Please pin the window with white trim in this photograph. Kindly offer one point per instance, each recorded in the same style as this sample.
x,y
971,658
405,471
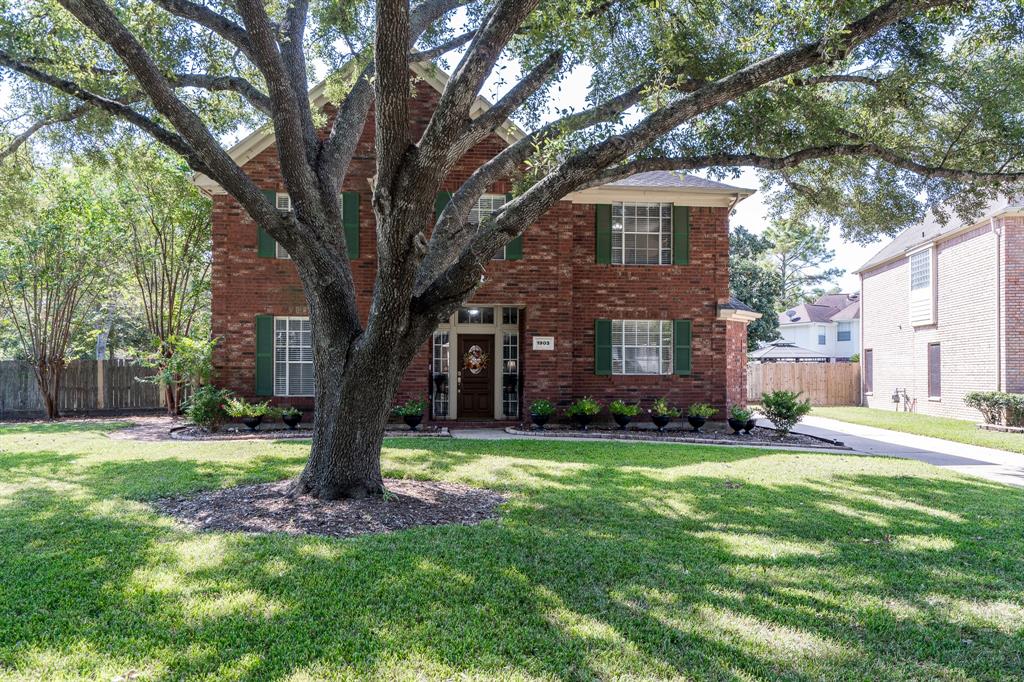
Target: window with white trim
x,y
822,338
921,270
641,233
641,346
283,203
844,331
485,207
293,357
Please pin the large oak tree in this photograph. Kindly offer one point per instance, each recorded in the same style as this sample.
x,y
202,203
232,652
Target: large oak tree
x,y
858,108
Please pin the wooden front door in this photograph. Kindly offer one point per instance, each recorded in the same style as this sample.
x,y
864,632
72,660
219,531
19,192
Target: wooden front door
x,y
476,376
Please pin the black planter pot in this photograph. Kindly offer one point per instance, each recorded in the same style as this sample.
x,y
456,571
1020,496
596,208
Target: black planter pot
x,y
622,420
737,425
751,423
291,420
583,420
661,420
412,420
696,423
252,422
539,420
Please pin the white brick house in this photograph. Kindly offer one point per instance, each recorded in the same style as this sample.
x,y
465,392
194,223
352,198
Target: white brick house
x,y
942,312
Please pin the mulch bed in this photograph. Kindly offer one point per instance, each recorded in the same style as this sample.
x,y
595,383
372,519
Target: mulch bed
x,y
279,431
711,433
269,508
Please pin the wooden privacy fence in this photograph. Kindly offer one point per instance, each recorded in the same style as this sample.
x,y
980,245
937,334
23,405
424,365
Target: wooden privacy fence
x,y
823,383
88,386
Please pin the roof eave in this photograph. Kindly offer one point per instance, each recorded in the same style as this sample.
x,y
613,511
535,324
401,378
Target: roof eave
x,y
691,196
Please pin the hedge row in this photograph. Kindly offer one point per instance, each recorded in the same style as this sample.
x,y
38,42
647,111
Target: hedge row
x,y
998,407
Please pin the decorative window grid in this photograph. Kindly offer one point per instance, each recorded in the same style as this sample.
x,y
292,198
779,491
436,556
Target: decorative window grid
x,y
641,233
510,316
440,376
921,270
510,374
293,357
641,347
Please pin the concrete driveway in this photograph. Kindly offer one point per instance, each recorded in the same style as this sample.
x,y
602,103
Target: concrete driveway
x,y
988,463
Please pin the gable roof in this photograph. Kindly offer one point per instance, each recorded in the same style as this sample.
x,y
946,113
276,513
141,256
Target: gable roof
x,y
931,229
828,308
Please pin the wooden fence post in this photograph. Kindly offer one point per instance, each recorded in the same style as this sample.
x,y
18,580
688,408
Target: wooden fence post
x,y
101,384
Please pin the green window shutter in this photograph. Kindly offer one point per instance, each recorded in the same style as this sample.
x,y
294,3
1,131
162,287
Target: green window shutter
x,y
682,357
266,247
440,202
350,218
264,355
602,347
680,235
603,233
514,249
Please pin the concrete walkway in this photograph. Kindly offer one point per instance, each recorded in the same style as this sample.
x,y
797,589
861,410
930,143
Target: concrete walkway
x,y
974,460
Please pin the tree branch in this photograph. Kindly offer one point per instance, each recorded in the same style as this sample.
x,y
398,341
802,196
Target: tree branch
x,y
231,83
206,17
21,138
435,52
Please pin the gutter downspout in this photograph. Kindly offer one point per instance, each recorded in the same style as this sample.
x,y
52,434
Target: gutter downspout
x,y
998,232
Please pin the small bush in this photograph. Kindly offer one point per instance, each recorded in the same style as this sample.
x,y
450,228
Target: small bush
x,y
411,408
542,408
997,407
623,408
584,406
784,409
661,408
855,357
740,413
205,407
239,408
290,411
703,410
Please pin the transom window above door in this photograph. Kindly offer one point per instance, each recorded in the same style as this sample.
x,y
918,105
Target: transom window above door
x,y
476,316
641,234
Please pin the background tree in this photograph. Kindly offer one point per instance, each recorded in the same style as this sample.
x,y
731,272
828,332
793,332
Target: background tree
x,y
886,99
167,250
801,255
56,247
755,281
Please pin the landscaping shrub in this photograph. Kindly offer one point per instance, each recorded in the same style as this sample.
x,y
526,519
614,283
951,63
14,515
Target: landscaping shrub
x,y
623,408
703,410
205,407
411,408
584,406
240,408
542,408
997,407
784,409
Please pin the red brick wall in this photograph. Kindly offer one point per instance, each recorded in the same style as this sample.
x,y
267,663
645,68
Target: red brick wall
x,y
562,289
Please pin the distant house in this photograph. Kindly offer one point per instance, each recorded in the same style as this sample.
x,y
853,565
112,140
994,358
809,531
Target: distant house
x,y
786,351
943,312
829,326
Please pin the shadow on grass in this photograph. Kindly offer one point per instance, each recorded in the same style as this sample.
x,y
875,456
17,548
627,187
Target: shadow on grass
x,y
60,427
594,571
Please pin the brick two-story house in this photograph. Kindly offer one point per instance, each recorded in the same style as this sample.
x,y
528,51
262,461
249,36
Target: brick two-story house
x,y
619,291
942,312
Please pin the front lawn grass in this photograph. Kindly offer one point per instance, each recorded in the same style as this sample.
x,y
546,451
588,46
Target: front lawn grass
x,y
956,430
610,561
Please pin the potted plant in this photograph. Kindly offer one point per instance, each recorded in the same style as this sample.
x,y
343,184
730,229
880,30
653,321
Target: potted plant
x,y
662,413
623,412
698,415
291,416
540,412
251,414
583,411
411,412
738,418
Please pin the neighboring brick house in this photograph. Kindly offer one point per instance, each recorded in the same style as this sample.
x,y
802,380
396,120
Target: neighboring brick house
x,y
830,326
942,312
619,291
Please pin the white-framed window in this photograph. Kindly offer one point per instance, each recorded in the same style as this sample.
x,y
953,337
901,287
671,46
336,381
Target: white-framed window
x,y
485,207
844,331
641,346
440,378
822,335
283,202
293,357
921,270
641,233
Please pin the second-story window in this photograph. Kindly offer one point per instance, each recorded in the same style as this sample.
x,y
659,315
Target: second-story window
x,y
486,205
821,336
843,331
921,270
641,234
283,203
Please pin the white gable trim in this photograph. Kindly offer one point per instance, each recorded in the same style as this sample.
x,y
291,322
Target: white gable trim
x,y
260,139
